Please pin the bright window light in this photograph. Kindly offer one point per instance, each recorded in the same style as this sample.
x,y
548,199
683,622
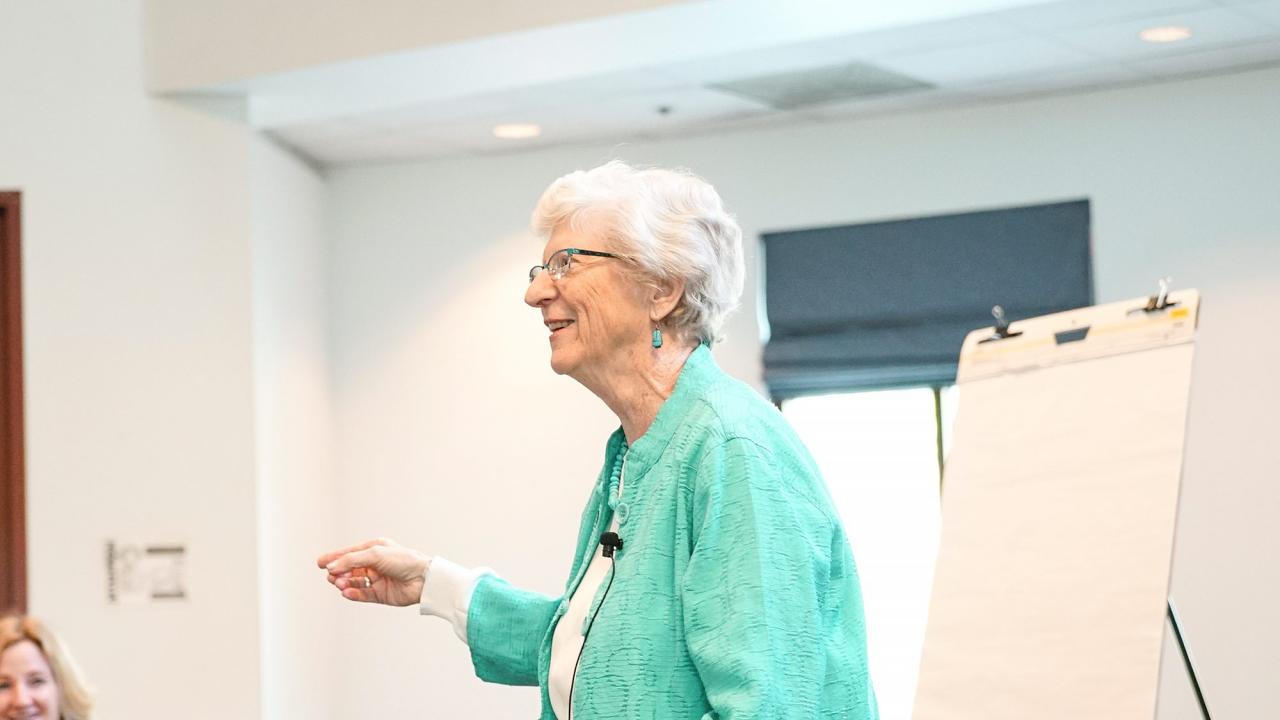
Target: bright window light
x,y
878,454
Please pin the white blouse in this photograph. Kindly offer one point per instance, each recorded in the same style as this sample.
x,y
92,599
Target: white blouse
x,y
447,594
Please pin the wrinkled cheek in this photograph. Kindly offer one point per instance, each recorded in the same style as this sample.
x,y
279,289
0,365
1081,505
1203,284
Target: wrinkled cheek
x,y
589,333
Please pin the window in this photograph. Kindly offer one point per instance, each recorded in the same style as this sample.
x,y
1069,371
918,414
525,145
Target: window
x,y
882,308
887,304
878,452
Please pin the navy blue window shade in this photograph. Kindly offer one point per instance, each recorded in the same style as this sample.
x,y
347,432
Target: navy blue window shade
x,y
888,304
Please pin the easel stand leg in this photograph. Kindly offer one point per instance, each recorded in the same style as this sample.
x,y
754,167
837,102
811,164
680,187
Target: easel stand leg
x,y
1186,659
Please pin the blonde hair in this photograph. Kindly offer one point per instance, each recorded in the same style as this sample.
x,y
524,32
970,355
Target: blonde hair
x,y
671,223
74,700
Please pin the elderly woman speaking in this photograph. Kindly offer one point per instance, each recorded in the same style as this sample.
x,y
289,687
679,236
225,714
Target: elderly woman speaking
x,y
712,577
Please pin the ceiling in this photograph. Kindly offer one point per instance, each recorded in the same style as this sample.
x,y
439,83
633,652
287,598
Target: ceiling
x,y
699,67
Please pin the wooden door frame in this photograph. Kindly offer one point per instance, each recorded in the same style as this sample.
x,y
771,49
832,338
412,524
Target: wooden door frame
x,y
13,544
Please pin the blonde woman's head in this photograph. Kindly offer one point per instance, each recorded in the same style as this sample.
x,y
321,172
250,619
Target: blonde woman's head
x,y
38,679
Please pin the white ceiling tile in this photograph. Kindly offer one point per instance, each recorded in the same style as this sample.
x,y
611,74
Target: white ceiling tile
x,y
1268,11
592,88
1212,59
465,134
1213,27
437,112
886,104
1045,48
1080,79
843,49
763,120
513,105
639,113
956,32
1068,14
976,63
769,61
621,117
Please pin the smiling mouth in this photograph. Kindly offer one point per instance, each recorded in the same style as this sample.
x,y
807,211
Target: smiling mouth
x,y
558,325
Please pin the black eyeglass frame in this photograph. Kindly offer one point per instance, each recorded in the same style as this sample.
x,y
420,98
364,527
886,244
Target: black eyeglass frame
x,y
537,270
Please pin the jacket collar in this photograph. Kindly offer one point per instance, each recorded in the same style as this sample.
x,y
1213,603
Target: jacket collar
x,y
699,373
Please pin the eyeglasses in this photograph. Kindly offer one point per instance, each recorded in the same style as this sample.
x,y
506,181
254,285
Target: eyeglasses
x,y
560,261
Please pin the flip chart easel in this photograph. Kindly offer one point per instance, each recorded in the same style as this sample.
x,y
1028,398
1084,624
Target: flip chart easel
x,y
1059,505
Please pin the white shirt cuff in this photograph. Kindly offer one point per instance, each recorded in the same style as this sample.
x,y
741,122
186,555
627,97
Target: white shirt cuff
x,y
446,593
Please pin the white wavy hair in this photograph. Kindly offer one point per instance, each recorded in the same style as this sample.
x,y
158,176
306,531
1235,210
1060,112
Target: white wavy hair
x,y
670,223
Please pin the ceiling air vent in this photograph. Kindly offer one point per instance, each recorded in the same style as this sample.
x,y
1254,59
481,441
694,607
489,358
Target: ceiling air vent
x,y
816,86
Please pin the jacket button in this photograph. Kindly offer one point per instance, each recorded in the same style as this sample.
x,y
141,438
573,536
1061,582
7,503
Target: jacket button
x,y
622,512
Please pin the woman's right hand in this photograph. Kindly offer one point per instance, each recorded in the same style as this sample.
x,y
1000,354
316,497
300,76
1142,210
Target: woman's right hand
x,y
379,570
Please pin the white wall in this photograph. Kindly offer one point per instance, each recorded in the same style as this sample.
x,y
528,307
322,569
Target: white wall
x,y
175,306
455,437
296,509
138,365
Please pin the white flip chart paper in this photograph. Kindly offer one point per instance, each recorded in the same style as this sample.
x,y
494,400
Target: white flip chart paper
x,y
1059,503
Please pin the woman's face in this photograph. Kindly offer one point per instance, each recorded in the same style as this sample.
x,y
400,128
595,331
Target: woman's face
x,y
27,687
596,314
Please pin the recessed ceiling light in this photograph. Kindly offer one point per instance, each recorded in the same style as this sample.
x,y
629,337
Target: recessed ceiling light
x,y
1165,34
516,131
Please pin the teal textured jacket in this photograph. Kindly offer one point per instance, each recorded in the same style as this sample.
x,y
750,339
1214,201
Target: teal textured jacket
x,y
734,595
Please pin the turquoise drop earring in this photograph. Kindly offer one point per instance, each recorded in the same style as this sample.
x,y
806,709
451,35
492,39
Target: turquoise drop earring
x,y
657,338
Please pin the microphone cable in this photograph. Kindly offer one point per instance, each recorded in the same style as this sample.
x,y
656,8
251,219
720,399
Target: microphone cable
x,y
611,542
